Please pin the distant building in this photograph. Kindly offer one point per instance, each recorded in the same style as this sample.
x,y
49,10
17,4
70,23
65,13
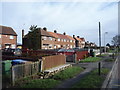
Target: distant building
x,y
8,37
52,40
79,42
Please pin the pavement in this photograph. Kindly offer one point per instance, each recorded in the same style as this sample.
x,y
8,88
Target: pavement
x,y
115,76
89,67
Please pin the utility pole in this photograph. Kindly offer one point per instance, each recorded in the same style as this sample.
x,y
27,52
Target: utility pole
x,y
100,37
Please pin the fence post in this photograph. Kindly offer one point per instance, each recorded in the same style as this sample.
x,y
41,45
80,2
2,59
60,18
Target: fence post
x,y
41,65
99,68
13,76
75,58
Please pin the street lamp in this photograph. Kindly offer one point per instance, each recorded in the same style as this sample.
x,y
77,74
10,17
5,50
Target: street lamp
x,y
104,42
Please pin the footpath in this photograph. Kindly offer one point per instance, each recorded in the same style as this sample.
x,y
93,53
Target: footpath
x,y
89,67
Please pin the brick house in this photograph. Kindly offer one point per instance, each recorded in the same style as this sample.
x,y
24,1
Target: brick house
x,y
52,40
79,42
46,40
63,40
8,37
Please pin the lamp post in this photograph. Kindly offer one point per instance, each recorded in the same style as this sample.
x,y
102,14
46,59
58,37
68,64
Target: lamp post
x,y
104,42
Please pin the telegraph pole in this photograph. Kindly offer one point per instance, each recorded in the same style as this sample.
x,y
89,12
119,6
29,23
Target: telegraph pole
x,y
100,37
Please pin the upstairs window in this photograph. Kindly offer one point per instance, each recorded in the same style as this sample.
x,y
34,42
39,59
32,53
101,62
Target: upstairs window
x,y
11,37
0,36
64,40
58,39
70,40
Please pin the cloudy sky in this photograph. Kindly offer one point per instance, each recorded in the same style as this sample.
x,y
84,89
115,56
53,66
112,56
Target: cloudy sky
x,y
74,18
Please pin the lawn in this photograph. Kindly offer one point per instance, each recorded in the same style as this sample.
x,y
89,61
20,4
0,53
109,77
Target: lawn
x,y
68,73
91,59
30,82
92,80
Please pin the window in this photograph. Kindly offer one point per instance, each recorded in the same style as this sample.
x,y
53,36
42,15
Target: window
x,y
70,40
0,36
11,37
58,39
58,46
44,38
13,46
0,46
50,46
50,38
64,40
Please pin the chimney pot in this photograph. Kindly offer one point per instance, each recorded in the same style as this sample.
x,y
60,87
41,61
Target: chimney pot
x,y
45,28
64,33
78,36
73,36
55,31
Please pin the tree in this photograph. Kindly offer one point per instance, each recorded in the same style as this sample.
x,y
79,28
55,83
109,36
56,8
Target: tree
x,y
116,40
34,37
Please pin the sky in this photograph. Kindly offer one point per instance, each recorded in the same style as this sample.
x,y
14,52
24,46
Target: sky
x,y
74,18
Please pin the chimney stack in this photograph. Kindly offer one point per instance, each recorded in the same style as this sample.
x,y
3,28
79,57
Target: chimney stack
x,y
78,36
73,36
64,33
55,31
22,33
45,28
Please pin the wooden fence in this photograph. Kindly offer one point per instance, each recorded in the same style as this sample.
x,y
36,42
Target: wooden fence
x,y
38,52
23,70
53,61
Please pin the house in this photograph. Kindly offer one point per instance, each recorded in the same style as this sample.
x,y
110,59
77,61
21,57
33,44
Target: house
x,y
8,37
62,40
46,40
79,42
51,40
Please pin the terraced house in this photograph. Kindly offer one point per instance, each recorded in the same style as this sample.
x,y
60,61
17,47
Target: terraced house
x,y
8,37
52,40
79,42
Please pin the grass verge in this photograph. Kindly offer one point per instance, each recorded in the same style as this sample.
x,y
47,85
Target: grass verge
x,y
92,80
34,82
67,73
91,59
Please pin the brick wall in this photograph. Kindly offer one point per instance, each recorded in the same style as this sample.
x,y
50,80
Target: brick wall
x,y
5,39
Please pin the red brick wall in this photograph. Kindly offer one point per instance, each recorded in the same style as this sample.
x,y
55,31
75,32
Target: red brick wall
x,y
6,39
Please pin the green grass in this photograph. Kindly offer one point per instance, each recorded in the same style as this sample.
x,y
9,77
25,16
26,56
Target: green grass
x,y
68,73
91,59
109,60
92,80
34,82
39,83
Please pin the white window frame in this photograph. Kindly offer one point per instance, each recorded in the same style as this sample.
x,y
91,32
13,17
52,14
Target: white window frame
x,y
11,37
58,39
64,40
13,46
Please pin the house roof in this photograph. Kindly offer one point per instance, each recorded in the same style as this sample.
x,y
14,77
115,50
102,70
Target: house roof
x,y
79,39
70,37
54,34
61,36
82,39
45,33
7,31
